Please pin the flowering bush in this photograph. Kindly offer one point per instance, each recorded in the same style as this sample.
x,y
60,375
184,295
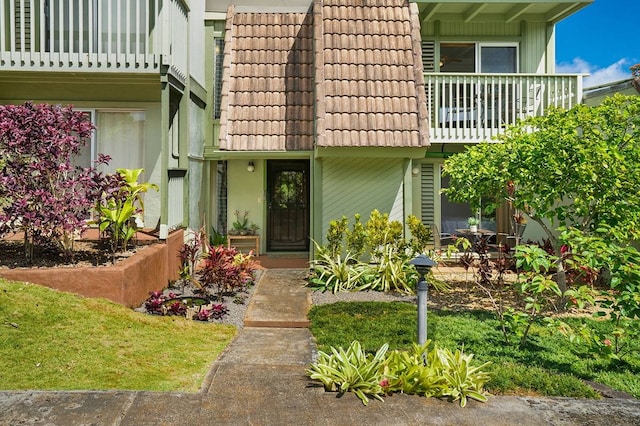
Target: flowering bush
x,y
42,193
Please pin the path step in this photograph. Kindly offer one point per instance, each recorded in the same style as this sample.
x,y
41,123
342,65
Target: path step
x,y
280,300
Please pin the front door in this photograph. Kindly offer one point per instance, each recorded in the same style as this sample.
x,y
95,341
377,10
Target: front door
x,y
288,205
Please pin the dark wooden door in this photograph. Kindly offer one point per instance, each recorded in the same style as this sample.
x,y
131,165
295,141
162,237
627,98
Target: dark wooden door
x,y
288,205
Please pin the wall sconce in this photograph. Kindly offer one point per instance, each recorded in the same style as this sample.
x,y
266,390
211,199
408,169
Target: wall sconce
x,y
415,170
251,167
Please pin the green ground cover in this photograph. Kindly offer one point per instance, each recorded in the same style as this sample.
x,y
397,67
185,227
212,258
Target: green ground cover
x,y
55,340
549,364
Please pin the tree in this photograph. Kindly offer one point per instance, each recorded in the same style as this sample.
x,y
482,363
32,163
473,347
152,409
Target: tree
x,y
42,194
577,167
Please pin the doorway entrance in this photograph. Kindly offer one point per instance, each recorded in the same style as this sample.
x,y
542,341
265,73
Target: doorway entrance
x,y
288,205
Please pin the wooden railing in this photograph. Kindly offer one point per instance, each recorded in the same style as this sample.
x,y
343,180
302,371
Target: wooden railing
x,y
136,36
477,107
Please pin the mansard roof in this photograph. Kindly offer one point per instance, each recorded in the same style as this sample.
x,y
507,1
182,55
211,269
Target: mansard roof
x,y
348,74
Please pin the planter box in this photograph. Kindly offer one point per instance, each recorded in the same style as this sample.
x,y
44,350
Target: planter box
x,y
128,282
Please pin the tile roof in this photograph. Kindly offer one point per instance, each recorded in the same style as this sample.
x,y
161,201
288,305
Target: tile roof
x,y
359,66
369,73
267,88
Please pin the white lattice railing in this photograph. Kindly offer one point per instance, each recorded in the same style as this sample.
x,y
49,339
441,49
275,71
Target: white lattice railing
x,y
93,35
477,107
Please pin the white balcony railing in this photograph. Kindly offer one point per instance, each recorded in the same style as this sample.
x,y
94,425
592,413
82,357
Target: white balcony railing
x,y
93,35
477,107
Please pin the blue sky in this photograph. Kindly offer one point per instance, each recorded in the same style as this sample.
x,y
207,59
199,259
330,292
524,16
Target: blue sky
x,y
601,40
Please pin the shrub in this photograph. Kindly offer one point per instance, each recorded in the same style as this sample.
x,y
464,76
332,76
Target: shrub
x,y
226,270
119,204
42,193
426,370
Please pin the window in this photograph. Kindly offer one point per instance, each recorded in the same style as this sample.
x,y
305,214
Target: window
x,y
498,59
119,134
218,57
221,191
479,57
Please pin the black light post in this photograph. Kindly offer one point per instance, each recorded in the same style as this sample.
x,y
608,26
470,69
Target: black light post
x,y
423,265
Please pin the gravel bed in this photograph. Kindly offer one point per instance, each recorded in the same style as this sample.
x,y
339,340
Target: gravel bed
x,y
236,311
326,297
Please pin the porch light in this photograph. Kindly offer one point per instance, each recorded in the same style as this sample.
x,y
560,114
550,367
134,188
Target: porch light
x,y
250,167
423,265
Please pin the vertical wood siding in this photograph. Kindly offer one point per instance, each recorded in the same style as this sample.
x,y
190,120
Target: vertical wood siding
x,y
427,193
360,185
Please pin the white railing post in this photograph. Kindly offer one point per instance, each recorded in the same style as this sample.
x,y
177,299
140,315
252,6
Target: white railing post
x,y
100,35
476,107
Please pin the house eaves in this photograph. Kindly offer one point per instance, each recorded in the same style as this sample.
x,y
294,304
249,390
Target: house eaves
x,y
498,11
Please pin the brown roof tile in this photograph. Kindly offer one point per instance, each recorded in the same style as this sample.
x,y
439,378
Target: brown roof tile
x,y
267,101
372,80
359,67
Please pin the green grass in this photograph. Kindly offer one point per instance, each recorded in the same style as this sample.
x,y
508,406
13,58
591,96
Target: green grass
x,y
550,365
55,340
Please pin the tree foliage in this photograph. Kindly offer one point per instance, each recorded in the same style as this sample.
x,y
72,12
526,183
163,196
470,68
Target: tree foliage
x,y
577,167
41,193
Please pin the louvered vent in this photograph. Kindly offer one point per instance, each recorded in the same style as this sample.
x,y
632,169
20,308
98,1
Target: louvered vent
x,y
427,193
428,56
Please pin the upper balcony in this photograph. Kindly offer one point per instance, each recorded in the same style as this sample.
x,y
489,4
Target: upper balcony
x,y
124,36
477,107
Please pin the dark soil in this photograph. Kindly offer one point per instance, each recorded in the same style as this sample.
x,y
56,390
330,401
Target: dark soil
x,y
86,253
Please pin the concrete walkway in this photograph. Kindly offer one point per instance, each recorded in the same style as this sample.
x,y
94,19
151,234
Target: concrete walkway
x,y
260,380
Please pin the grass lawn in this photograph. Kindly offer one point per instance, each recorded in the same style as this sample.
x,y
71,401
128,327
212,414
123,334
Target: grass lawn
x,y
55,340
550,365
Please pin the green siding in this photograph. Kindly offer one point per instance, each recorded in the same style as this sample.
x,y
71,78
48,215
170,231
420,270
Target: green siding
x,y
427,193
472,30
357,185
533,49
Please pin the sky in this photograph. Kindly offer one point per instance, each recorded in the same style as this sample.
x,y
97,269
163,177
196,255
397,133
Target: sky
x,y
601,40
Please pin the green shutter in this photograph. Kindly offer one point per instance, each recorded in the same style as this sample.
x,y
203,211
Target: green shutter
x,y
427,193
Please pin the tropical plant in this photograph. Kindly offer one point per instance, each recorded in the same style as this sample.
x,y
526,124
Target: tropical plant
x,y
381,232
224,270
335,273
420,235
335,235
567,157
620,303
190,255
563,155
120,202
392,272
356,238
41,193
350,370
216,238
426,370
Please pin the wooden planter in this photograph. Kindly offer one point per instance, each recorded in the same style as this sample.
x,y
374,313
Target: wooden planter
x,y
128,282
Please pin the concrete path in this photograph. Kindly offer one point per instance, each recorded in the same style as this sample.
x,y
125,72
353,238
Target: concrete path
x,y
260,380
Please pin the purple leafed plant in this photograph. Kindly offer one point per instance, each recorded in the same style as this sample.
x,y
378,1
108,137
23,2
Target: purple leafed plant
x,y
41,193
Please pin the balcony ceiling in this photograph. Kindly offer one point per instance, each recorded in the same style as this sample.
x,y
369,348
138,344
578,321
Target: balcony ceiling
x,y
498,10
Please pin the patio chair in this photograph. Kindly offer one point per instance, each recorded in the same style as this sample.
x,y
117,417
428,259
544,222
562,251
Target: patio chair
x,y
531,105
440,238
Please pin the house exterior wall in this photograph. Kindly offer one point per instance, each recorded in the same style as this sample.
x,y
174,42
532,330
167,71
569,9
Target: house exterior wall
x,y
360,185
246,191
534,38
